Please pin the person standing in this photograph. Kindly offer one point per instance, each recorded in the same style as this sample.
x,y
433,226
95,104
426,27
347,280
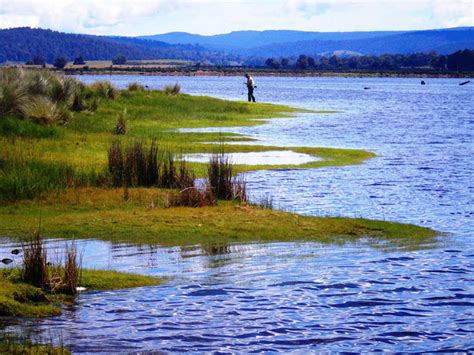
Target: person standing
x,y
250,86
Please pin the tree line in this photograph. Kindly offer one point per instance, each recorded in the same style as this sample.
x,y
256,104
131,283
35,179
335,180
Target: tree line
x,y
23,44
462,60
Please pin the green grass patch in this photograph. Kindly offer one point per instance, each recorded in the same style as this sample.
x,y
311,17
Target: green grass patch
x,y
21,299
14,127
142,219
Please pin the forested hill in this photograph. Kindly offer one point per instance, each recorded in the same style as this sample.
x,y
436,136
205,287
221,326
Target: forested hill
x,y
292,43
21,44
442,41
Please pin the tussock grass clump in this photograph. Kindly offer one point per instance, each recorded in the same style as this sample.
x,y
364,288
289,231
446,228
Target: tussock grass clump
x,y
104,89
141,165
221,180
115,163
172,90
43,110
71,272
37,271
121,125
135,86
47,97
35,268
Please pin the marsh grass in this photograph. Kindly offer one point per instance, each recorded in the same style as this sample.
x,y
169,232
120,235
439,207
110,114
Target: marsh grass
x,y
72,270
221,179
139,164
191,197
35,268
47,97
13,127
37,271
172,90
29,344
135,86
23,177
121,125
104,89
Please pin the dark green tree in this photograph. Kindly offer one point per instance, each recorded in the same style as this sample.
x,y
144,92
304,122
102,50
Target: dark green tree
x,y
119,59
79,60
302,62
60,62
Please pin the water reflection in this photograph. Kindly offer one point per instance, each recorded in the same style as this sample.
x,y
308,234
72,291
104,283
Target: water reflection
x,y
306,296
280,296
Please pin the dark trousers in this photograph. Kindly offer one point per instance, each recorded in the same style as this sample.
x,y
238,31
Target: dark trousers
x,y
250,94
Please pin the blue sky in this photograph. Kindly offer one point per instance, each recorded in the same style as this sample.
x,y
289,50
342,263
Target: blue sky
x,y
115,17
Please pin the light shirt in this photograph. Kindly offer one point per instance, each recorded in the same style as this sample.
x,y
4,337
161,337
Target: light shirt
x,y
250,82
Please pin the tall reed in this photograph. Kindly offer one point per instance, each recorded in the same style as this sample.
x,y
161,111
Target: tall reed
x,y
35,269
142,165
224,185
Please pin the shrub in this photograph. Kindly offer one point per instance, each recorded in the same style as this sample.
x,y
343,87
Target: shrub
x,y
119,59
60,62
172,90
79,61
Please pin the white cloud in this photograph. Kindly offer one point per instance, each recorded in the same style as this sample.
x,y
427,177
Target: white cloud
x,y
136,17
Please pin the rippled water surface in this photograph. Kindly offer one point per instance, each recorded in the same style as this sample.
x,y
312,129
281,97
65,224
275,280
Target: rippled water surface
x,y
306,296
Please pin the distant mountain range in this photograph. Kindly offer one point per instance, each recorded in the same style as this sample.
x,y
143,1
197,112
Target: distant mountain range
x,y
22,44
293,43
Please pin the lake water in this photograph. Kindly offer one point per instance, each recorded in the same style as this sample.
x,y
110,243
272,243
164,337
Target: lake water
x,y
307,296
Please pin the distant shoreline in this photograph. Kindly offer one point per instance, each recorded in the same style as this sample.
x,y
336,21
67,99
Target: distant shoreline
x,y
170,70
262,72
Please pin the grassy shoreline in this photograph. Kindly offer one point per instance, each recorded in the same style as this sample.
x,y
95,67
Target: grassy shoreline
x,y
104,214
86,206
19,299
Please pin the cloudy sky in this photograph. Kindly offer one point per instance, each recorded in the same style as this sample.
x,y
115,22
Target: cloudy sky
x,y
134,17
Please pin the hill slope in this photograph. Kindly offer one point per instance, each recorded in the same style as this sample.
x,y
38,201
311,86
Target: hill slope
x,y
441,41
293,43
240,40
21,44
